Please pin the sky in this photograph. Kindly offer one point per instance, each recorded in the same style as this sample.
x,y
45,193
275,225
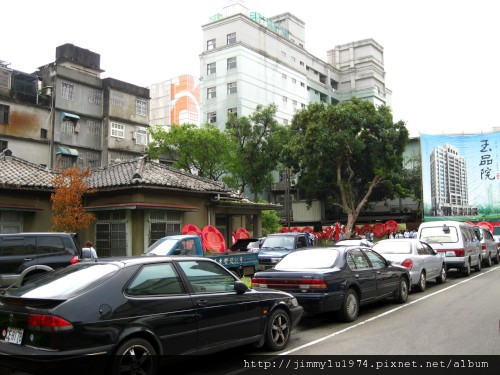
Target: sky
x,y
441,56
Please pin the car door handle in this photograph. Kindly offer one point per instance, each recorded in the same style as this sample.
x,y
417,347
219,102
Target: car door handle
x,y
202,302
356,275
27,259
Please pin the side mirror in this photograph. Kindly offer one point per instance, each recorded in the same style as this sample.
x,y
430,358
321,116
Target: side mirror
x,y
240,287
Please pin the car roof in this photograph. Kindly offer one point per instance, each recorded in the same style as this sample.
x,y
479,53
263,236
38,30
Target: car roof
x,y
26,234
125,261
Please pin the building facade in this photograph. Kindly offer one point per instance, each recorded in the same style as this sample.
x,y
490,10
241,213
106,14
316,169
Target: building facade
x,y
64,114
249,59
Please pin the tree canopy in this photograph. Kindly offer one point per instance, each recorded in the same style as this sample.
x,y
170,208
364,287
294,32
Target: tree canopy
x,y
205,150
345,152
259,140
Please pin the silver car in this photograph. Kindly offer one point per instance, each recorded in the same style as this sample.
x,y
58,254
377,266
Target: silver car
x,y
489,248
423,262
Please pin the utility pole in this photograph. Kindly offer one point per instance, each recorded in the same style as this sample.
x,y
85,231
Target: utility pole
x,y
287,197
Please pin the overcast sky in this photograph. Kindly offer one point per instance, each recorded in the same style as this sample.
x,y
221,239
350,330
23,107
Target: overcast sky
x,y
441,56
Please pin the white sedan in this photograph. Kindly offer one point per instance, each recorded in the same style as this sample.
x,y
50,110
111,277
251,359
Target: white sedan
x,y
423,262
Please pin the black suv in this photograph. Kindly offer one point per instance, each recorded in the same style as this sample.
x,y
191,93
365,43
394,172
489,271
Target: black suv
x,y
23,255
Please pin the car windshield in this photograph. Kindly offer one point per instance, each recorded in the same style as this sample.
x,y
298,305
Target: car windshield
x,y
442,234
286,242
161,247
392,247
65,282
308,259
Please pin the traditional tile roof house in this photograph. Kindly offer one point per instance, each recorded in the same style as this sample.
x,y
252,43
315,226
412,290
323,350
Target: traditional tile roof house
x,y
136,202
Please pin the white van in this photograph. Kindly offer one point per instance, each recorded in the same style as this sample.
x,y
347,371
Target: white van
x,y
457,240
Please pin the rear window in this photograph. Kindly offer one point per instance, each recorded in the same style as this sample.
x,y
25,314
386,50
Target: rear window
x,y
66,282
286,242
308,259
441,234
391,247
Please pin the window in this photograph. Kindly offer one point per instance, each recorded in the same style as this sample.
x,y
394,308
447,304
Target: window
x,y
211,93
302,105
294,80
302,84
4,114
302,63
283,53
285,99
231,63
232,88
285,121
117,99
283,75
10,221
211,68
94,128
155,279
141,136
141,107
67,91
111,234
232,111
95,97
210,44
4,79
207,277
117,130
294,102
358,259
231,38
163,223
43,133
68,126
66,161
293,59
51,245
212,117
375,259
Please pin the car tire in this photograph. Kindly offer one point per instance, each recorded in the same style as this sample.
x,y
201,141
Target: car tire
x,y
402,292
487,263
278,330
422,284
137,354
466,269
350,308
496,260
441,279
477,267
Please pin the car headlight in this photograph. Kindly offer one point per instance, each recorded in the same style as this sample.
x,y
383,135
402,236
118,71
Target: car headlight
x,y
294,302
275,260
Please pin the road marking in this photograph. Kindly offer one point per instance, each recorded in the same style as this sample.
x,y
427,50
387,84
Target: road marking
x,y
385,313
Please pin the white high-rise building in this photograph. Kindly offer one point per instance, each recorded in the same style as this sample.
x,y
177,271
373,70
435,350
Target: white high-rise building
x,y
249,59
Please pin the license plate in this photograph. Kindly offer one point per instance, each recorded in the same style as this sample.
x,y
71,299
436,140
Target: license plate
x,y
14,335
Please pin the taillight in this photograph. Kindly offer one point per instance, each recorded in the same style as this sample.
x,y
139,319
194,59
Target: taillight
x,y
50,323
318,284
74,259
460,252
408,263
483,246
303,284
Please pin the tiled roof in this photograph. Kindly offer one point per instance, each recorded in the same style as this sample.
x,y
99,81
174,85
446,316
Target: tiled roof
x,y
21,174
143,172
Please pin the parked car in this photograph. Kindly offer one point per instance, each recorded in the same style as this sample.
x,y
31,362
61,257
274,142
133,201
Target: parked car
x,y
276,246
251,245
457,240
423,262
141,309
23,255
361,242
489,248
337,279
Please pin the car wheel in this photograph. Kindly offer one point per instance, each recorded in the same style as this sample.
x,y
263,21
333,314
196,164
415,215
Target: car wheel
x,y
402,292
496,260
441,279
278,330
421,282
488,261
134,356
478,265
350,308
466,269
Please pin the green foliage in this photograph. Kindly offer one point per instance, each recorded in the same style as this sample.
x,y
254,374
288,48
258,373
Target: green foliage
x,y
258,141
206,150
344,152
270,222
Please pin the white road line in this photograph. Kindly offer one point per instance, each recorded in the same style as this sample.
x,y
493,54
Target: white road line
x,y
384,314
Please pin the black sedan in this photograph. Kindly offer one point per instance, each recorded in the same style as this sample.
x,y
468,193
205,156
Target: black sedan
x,y
140,309
337,279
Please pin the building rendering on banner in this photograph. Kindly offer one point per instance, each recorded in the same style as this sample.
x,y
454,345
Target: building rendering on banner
x,y
176,101
449,186
249,59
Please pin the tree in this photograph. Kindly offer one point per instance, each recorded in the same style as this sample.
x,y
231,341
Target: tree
x,y
259,139
206,150
68,213
346,152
